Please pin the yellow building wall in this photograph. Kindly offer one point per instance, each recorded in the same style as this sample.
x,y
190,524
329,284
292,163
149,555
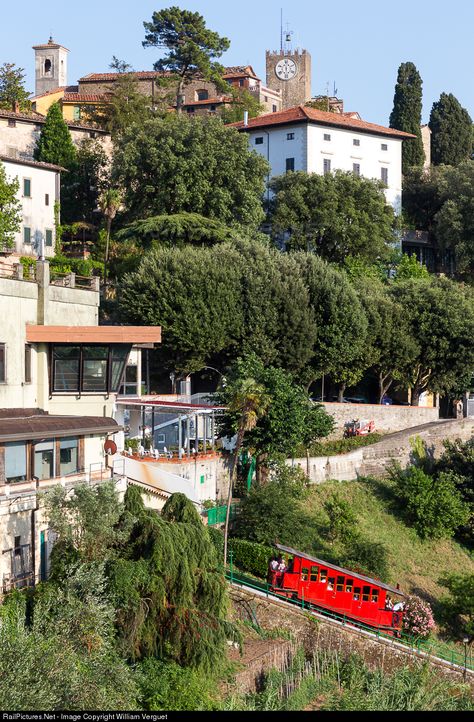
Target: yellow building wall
x,y
43,104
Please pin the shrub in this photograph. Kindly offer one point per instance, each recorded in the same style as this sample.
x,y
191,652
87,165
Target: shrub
x,y
418,617
433,505
461,602
342,520
368,558
251,557
166,685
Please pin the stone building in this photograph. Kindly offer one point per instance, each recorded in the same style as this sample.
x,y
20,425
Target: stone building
x,y
289,72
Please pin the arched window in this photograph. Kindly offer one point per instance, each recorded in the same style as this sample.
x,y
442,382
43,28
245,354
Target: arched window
x,y
47,66
202,95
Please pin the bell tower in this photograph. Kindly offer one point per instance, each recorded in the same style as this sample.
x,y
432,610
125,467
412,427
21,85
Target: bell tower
x,y
289,71
50,66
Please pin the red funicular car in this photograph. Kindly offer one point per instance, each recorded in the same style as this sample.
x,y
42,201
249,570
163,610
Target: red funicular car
x,y
338,590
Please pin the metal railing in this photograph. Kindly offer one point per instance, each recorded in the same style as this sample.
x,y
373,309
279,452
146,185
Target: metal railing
x,y
426,647
218,514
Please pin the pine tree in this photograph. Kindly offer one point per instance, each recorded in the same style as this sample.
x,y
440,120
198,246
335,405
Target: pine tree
x,y
55,143
451,128
12,88
406,113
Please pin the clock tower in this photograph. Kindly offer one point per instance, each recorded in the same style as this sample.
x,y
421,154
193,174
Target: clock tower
x,y
290,72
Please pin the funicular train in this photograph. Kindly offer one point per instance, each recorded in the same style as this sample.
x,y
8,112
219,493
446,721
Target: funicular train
x,y
339,591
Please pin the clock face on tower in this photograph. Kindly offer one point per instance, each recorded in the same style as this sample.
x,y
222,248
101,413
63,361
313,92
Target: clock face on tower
x,y
286,69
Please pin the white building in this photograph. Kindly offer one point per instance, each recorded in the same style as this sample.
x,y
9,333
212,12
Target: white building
x,y
313,141
59,378
39,190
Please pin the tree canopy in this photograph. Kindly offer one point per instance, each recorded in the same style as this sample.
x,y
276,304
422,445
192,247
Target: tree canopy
x,y
12,88
176,231
334,215
10,209
406,113
451,131
190,165
191,47
55,143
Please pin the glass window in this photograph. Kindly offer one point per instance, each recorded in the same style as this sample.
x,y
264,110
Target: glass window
x,y
27,187
290,136
356,593
349,585
290,164
384,146
68,456
356,169
11,123
324,575
15,462
375,595
119,359
46,199
26,235
384,176
365,594
49,238
259,141
66,368
327,166
356,141
3,366
304,574
275,109
313,577
77,112
202,94
327,136
94,368
44,460
331,582
340,584
27,364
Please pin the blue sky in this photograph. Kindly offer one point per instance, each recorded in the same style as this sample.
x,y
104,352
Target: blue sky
x,y
358,45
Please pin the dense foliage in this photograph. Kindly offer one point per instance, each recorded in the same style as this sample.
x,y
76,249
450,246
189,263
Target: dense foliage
x,y
10,209
12,88
406,113
451,131
178,164
55,144
418,618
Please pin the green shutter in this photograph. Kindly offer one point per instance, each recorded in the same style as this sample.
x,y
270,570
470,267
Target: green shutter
x,y
49,238
26,235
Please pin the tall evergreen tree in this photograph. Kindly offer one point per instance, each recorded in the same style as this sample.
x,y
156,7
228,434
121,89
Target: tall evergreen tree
x,y
55,143
406,113
451,128
12,87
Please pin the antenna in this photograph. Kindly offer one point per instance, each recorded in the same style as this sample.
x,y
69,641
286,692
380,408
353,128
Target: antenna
x,y
281,32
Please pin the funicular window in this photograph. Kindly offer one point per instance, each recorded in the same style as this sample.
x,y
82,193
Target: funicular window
x,y
349,585
324,576
340,584
375,595
304,574
365,594
356,593
313,577
331,582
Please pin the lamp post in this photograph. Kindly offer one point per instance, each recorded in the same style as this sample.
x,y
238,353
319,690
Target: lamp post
x,y
466,641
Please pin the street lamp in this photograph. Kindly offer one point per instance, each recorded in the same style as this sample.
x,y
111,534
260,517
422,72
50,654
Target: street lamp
x,y
466,641
211,368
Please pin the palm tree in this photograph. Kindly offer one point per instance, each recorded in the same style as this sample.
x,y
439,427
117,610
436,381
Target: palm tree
x,y
250,402
109,203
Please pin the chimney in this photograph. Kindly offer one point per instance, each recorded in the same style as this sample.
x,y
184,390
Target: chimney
x,y
16,106
246,118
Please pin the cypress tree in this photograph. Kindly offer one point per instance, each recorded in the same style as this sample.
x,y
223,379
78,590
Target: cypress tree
x,y
55,143
451,128
406,113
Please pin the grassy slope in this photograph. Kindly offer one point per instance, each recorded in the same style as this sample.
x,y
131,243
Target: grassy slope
x,y
416,565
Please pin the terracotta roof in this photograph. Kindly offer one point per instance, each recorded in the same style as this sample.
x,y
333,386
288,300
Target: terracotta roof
x,y
32,163
210,101
85,97
32,428
59,89
139,75
302,114
38,118
93,334
48,45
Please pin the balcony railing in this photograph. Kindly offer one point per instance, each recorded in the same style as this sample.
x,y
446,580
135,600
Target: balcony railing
x,y
71,280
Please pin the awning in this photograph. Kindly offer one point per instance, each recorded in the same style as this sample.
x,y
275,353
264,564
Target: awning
x,y
94,334
33,428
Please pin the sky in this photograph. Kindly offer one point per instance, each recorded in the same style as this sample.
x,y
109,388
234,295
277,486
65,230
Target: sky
x,y
358,46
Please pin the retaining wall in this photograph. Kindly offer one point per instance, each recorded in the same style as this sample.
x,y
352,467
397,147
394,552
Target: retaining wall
x,y
388,419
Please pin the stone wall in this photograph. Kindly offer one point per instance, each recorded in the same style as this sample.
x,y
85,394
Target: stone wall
x,y
374,460
318,634
388,419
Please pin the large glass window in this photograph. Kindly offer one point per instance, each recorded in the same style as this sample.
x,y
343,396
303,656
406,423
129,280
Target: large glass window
x,y
68,457
15,462
89,369
44,460
66,368
94,368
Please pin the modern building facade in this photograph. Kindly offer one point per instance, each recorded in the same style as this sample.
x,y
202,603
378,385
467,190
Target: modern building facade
x,y
60,374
